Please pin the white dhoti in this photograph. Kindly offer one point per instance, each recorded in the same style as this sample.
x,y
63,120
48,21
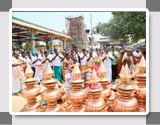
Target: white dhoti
x,y
17,76
109,72
68,76
23,85
16,85
108,65
38,73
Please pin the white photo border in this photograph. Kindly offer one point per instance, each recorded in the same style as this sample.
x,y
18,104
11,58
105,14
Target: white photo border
x,y
78,10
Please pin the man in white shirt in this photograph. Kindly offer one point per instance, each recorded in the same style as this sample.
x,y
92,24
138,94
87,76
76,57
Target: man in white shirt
x,y
56,61
73,56
17,74
63,55
107,59
38,66
23,58
94,54
50,58
137,53
29,61
83,58
76,55
87,52
41,54
45,61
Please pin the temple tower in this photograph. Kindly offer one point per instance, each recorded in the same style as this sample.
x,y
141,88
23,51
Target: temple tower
x,y
76,29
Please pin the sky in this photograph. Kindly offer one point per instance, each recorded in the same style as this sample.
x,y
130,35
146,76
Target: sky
x,y
56,20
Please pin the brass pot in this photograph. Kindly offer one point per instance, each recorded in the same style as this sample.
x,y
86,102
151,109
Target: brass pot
x,y
31,92
87,89
76,95
125,102
141,107
141,92
53,107
77,107
32,106
101,74
51,95
106,91
95,103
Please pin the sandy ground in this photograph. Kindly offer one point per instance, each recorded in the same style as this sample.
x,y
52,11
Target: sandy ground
x,y
18,102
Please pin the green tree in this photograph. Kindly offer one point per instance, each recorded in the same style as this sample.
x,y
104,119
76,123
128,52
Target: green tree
x,y
92,42
27,46
15,46
38,44
124,25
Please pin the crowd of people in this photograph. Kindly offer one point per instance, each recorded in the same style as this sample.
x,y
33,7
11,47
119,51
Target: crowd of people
x,y
63,62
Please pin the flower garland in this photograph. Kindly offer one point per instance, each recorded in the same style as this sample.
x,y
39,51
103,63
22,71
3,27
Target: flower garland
x,y
76,78
95,86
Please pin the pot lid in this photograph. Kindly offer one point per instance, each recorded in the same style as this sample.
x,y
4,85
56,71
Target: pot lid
x,y
76,69
125,72
77,81
95,90
94,77
30,80
142,62
49,69
126,86
102,68
53,80
105,79
28,71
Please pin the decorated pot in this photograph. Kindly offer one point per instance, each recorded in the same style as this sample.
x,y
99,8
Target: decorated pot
x,y
124,102
76,95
